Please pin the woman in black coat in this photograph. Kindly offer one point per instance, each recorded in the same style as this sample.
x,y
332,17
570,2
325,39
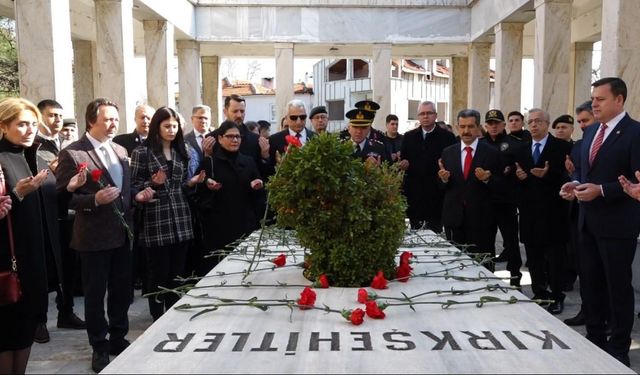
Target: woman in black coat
x,y
228,197
19,120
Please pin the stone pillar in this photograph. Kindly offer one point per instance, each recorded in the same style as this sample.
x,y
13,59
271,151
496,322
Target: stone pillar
x,y
158,51
188,77
508,50
580,69
284,78
551,56
381,82
621,48
211,86
479,89
83,74
458,87
43,32
114,53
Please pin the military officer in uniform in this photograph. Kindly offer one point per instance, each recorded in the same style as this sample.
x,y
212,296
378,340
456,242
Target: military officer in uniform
x,y
365,148
504,200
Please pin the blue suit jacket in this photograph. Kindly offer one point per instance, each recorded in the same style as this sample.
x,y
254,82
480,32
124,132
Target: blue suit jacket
x,y
616,215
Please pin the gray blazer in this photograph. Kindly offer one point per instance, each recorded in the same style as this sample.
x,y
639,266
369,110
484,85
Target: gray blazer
x,y
95,228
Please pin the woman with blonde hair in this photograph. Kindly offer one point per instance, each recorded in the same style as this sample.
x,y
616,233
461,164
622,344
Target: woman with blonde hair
x,y
25,181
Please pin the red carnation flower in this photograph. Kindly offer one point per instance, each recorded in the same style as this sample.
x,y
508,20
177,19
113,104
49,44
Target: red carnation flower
x,y
403,272
405,256
379,282
324,282
374,311
357,316
363,296
96,174
307,298
294,141
82,167
279,261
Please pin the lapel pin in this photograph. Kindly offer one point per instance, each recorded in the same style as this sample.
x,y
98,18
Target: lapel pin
x,y
618,132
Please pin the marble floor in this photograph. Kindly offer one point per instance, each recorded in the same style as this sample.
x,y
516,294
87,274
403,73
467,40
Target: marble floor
x,y
69,352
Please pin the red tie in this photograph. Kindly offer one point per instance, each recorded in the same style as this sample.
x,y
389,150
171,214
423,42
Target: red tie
x,y
467,161
597,143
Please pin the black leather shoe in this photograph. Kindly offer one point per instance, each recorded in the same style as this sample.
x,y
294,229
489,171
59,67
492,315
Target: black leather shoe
x,y
500,258
71,321
556,307
99,360
41,335
117,347
577,320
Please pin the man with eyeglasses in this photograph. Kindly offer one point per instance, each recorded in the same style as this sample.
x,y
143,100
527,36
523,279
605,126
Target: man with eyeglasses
x,y
421,150
543,214
295,119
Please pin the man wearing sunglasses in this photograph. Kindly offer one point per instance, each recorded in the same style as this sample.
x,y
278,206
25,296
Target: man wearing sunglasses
x,y
295,119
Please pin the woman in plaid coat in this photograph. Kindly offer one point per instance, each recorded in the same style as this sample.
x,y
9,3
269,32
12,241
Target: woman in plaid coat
x,y
159,175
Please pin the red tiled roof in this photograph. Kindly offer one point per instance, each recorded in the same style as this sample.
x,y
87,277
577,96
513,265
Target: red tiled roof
x,y
245,88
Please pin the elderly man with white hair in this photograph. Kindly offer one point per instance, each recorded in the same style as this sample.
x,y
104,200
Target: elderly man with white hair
x,y
295,119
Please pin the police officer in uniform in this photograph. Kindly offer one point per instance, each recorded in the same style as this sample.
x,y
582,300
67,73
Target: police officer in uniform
x,y
504,200
363,147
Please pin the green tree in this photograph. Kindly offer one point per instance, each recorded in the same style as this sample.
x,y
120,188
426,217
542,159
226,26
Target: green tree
x,y
9,83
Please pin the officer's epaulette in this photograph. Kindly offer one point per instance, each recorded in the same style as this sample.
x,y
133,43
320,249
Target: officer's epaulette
x,y
376,141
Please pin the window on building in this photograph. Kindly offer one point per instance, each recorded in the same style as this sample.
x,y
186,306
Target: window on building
x,y
396,72
412,109
336,110
272,110
338,70
360,69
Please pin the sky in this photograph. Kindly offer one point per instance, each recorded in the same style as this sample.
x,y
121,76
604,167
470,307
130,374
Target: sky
x,y
267,68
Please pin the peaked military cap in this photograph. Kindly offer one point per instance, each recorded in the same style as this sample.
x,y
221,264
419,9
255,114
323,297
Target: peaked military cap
x,y
360,117
494,115
368,105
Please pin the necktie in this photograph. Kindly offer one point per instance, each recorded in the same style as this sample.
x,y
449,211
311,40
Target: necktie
x,y
536,153
597,143
199,140
468,158
115,171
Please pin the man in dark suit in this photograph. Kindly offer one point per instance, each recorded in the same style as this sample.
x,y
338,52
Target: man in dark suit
x,y
505,210
134,139
469,171
295,118
200,120
61,260
543,214
99,235
609,221
421,149
364,148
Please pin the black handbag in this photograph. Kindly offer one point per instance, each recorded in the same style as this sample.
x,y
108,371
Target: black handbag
x,y
10,290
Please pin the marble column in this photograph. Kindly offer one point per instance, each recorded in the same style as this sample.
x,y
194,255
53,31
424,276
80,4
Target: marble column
x,y
580,74
211,86
83,78
621,48
188,77
158,51
458,86
43,33
551,56
508,51
284,77
381,82
479,89
114,53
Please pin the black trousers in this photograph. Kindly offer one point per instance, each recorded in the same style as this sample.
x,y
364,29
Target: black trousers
x,y
472,234
106,271
545,267
506,219
164,264
607,292
70,271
